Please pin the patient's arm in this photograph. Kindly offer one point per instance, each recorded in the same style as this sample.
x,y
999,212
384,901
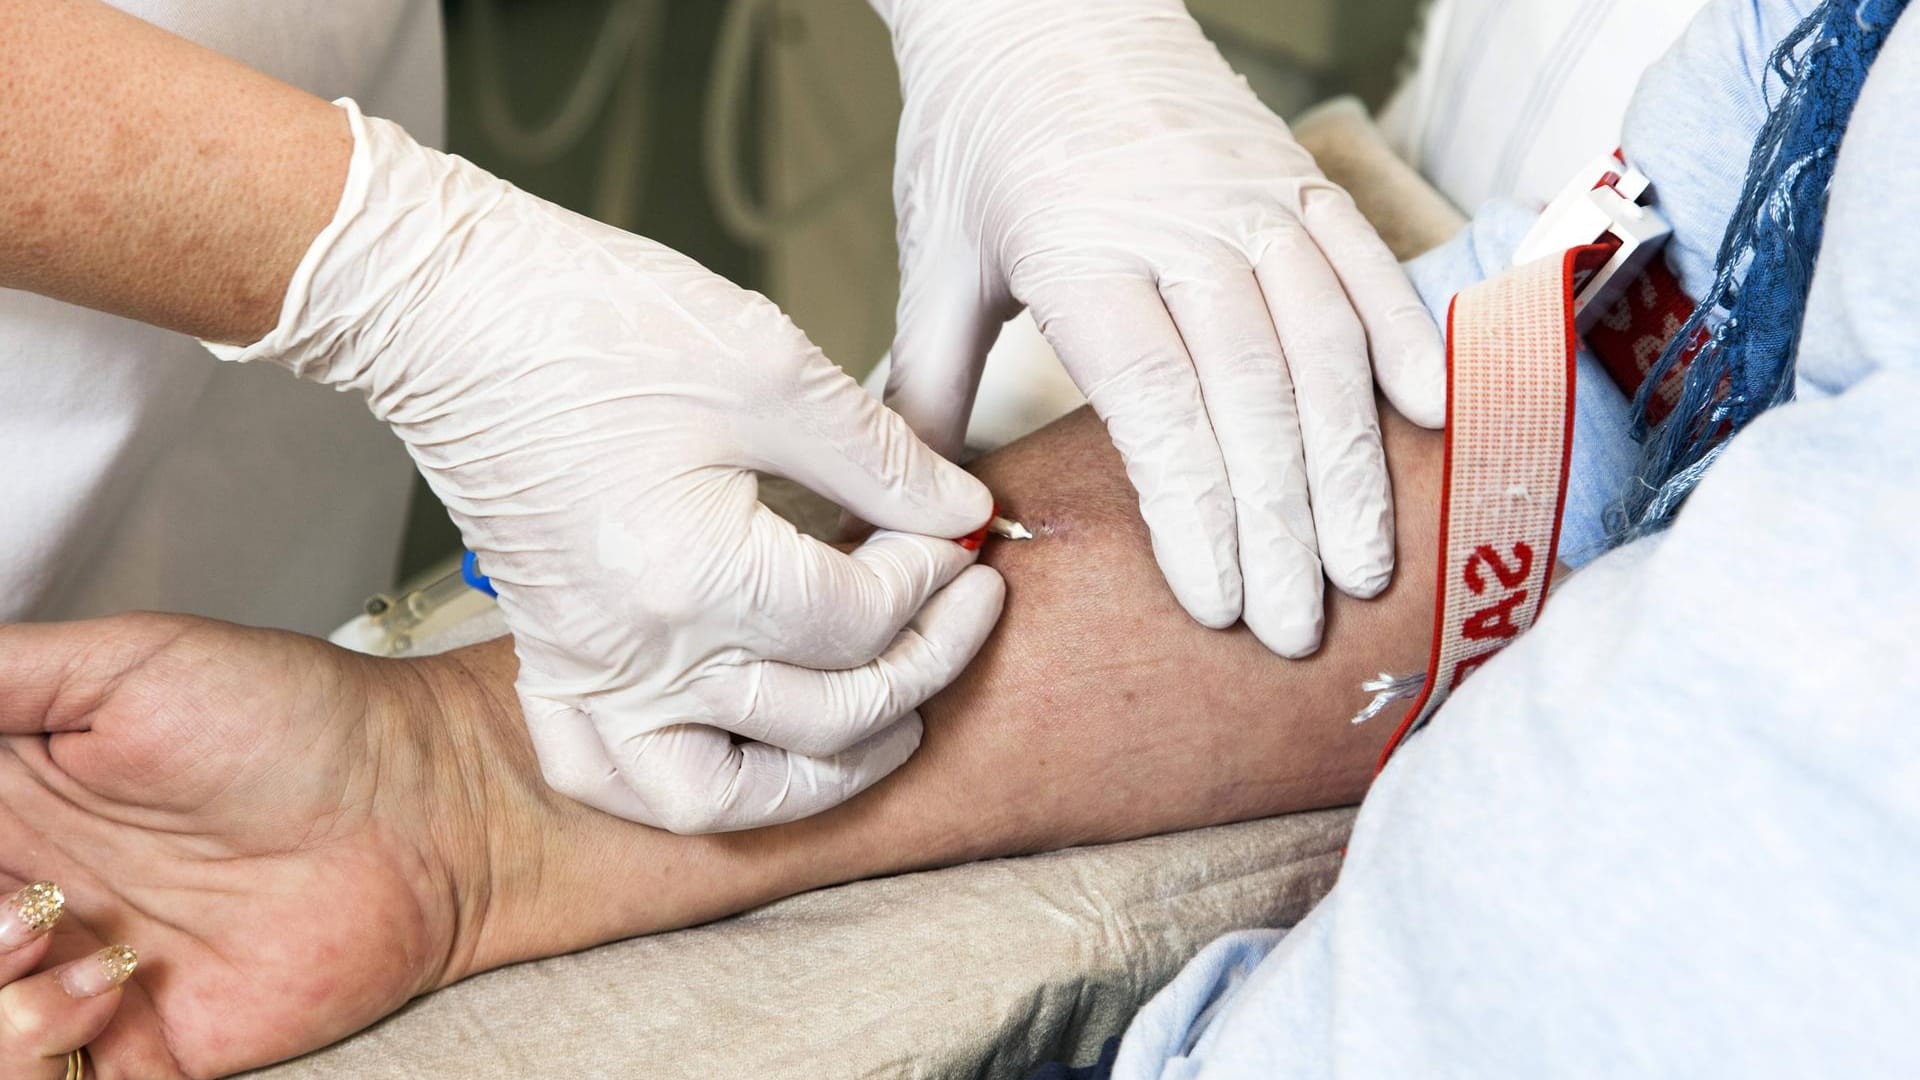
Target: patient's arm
x,y
1099,710
299,840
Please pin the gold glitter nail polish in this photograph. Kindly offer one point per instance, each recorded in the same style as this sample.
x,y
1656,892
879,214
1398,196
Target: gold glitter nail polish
x,y
100,972
30,913
119,962
40,905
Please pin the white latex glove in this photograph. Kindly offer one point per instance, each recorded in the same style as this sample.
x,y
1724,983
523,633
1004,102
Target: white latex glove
x,y
591,407
1208,289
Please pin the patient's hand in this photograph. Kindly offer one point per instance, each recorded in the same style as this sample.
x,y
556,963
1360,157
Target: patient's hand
x,y
298,840
250,810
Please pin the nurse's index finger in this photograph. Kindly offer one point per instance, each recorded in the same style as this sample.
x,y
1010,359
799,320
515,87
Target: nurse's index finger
x,y
839,442
1118,341
819,713
1326,351
824,609
1251,404
1407,350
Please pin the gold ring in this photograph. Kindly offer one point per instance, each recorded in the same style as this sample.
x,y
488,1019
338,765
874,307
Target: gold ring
x,y
77,1065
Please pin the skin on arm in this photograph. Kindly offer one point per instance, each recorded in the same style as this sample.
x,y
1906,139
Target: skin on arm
x,y
145,176
1100,711
299,840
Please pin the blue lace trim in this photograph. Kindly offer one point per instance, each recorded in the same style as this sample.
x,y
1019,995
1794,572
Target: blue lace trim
x,y
1752,314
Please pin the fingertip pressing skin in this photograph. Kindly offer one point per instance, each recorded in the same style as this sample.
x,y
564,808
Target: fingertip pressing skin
x,y
1250,397
1212,601
1289,617
1356,538
1122,346
1359,558
1339,431
1407,349
1370,584
1285,587
1417,387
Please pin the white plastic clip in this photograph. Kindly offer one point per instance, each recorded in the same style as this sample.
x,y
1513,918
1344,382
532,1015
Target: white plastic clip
x,y
1601,205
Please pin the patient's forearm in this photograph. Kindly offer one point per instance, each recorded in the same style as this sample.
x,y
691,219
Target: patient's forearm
x,y
1098,711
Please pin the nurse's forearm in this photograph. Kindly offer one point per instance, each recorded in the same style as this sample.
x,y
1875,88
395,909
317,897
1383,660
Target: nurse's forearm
x,y
143,175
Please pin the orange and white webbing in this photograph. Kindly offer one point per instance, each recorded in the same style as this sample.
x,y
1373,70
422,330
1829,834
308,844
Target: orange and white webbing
x,y
1510,380
1511,347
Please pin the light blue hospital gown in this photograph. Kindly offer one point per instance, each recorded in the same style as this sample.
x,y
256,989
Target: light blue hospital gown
x,y
1675,830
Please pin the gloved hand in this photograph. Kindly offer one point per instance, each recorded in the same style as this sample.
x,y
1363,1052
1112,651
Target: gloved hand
x,y
1209,290
591,407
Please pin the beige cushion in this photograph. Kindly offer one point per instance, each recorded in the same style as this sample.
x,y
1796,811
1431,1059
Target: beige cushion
x,y
976,971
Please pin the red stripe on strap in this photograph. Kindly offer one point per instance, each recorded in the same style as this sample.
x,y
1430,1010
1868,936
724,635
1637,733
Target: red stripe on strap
x,y
1510,389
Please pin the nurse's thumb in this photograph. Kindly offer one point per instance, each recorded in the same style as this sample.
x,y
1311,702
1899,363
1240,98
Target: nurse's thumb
x,y
939,350
864,457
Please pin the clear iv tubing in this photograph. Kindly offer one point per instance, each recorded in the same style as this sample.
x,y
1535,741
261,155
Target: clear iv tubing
x,y
397,618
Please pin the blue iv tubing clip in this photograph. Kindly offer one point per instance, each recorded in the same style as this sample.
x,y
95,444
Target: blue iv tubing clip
x,y
470,572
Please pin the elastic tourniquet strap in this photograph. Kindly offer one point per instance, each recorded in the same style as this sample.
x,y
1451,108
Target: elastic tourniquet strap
x,y
1591,267
1510,380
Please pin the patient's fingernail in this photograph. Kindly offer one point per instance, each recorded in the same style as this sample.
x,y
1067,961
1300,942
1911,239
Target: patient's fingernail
x,y
29,913
100,972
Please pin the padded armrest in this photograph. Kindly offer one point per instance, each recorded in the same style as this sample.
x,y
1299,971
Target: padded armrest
x,y
976,971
